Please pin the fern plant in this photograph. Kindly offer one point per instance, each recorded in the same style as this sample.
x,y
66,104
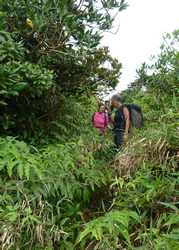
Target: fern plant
x,y
71,171
16,160
112,224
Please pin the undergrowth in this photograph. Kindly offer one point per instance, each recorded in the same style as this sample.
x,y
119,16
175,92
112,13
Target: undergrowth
x,y
62,186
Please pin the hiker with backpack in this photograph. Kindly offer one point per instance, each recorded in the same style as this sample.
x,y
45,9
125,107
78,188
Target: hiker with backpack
x,y
121,121
100,119
123,118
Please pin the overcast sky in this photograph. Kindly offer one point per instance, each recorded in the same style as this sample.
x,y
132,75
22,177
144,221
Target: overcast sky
x,y
142,26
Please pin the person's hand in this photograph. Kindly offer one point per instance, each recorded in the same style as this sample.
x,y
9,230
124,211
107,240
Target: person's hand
x,y
125,137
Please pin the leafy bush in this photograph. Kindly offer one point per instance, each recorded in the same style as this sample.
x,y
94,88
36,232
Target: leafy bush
x,y
45,189
147,167
106,229
16,161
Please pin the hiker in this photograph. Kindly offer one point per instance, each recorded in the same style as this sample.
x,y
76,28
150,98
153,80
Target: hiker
x,y
107,106
100,119
120,118
108,110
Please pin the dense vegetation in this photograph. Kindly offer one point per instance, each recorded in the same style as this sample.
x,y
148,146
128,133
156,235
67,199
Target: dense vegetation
x,y
58,188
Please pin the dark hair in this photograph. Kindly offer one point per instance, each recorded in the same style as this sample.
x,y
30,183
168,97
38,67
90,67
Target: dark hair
x,y
100,104
116,98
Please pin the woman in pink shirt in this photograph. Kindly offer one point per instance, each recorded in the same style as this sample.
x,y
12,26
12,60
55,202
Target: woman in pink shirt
x,y
100,119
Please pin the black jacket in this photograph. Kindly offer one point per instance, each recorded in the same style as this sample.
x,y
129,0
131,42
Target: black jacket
x,y
119,119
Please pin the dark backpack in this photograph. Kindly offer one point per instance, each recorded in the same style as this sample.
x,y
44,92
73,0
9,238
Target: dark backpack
x,y
136,116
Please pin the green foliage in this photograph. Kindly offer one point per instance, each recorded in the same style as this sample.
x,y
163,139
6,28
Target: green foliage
x,y
67,41
84,71
68,21
70,191
147,167
10,51
108,227
17,78
21,84
45,191
15,71
50,50
51,67
17,161
75,171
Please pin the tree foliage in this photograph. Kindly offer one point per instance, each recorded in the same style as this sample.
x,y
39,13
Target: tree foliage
x,y
51,49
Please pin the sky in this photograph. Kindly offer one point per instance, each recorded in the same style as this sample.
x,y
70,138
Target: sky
x,y
142,26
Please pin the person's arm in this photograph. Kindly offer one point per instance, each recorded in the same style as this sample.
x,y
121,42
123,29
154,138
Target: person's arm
x,y
113,113
127,119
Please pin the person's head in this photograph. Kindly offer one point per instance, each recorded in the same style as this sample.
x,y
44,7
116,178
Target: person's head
x,y
101,107
116,101
107,104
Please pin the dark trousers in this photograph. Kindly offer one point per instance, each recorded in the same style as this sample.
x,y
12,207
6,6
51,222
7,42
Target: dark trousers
x,y
118,137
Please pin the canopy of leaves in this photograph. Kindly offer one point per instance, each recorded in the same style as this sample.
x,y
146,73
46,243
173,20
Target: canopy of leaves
x,y
50,49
